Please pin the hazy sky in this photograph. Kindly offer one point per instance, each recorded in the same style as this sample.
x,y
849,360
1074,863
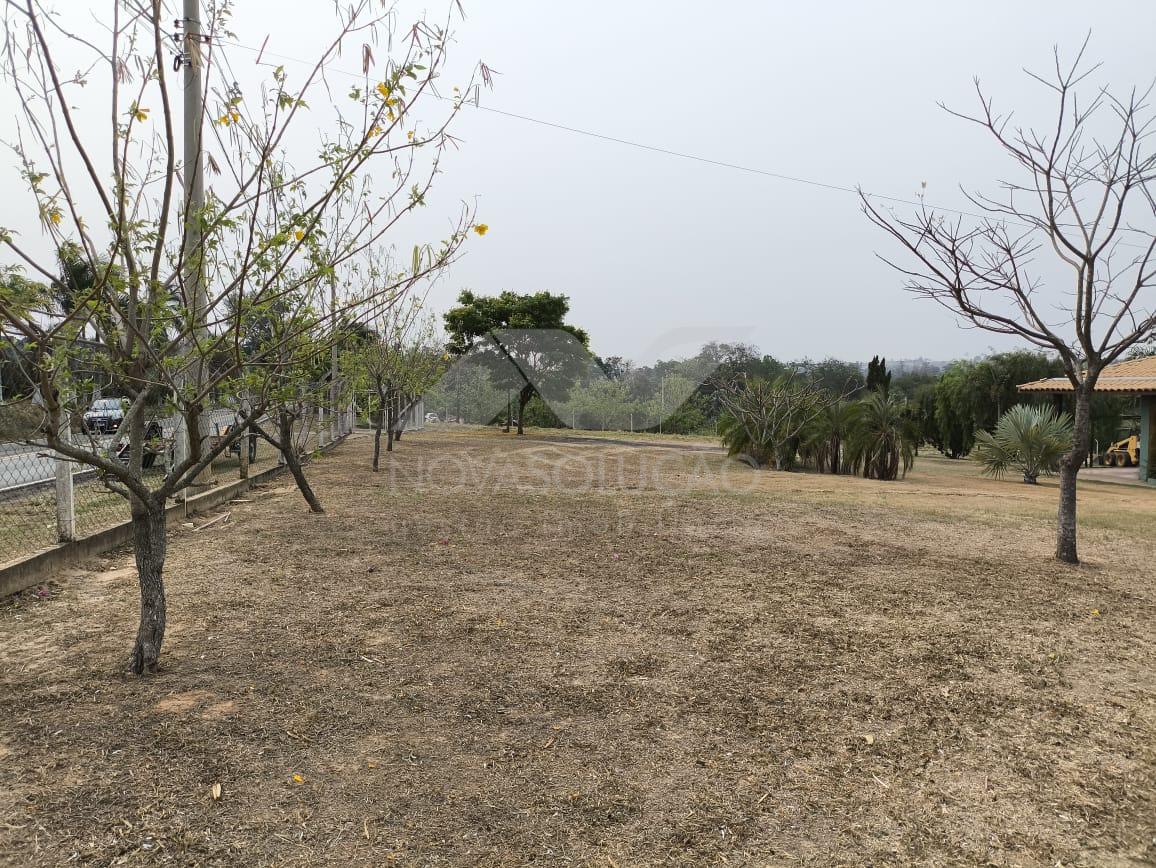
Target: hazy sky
x,y
645,243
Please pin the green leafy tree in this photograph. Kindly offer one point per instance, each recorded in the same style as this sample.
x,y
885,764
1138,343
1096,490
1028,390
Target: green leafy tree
x,y
524,340
539,414
692,416
607,403
833,376
955,410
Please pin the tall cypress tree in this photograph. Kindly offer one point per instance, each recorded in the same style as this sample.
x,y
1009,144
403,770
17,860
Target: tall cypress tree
x,y
878,377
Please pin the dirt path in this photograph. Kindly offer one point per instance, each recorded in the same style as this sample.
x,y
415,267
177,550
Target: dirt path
x,y
500,651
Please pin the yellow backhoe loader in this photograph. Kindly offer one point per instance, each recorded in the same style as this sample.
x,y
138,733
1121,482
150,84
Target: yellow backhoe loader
x,y
1123,453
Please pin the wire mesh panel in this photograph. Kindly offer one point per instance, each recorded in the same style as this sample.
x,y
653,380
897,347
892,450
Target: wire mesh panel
x,y
306,433
28,472
266,456
27,482
27,506
221,424
97,506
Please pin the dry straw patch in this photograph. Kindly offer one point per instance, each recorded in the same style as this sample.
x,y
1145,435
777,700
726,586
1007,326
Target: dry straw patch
x,y
600,652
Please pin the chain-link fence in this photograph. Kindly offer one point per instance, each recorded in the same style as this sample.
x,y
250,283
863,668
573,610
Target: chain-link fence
x,y
45,499
27,483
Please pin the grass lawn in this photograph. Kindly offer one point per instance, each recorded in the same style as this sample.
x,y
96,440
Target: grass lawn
x,y
600,651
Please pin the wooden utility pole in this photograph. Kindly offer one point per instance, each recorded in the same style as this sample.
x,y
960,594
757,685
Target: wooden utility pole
x,y
335,431
194,206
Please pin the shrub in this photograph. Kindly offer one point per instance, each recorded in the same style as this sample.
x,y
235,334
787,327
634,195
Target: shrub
x,y
1026,438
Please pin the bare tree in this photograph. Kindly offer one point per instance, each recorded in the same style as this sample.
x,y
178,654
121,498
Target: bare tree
x,y
1084,192
398,363
172,291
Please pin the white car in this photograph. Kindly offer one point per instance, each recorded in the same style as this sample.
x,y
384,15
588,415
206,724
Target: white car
x,y
431,418
104,416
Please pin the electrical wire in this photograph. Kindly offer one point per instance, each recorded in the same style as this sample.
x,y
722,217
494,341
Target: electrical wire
x,y
779,176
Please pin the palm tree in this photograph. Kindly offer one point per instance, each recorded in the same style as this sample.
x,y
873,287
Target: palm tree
x,y
1029,439
882,441
740,443
765,421
825,440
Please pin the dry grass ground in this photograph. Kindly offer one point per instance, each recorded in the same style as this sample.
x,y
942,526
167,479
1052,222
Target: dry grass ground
x,y
500,651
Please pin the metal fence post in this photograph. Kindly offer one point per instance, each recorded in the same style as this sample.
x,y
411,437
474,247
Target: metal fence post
x,y
65,496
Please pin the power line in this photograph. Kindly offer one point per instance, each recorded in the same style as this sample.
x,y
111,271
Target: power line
x,y
602,136
779,176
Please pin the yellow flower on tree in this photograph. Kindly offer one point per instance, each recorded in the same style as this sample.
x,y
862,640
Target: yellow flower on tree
x,y
141,114
55,216
409,135
481,228
383,89
299,234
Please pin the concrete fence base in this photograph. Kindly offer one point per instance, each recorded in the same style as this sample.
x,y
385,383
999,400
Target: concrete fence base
x,y
28,571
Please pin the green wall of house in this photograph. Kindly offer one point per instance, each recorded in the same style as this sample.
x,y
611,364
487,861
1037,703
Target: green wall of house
x,y
1147,432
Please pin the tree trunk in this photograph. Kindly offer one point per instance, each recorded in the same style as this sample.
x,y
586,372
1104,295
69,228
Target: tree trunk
x,y
243,452
148,537
524,397
390,417
1069,468
377,437
294,463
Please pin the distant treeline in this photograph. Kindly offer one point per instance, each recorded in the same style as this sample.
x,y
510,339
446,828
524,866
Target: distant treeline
x,y
947,406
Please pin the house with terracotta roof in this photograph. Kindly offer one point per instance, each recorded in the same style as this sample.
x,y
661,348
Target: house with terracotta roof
x,y
1135,377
